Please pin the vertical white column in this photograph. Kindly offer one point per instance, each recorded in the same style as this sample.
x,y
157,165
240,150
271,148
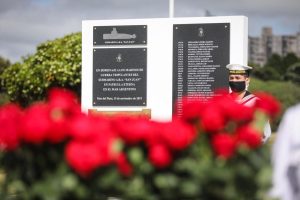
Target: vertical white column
x,y
171,8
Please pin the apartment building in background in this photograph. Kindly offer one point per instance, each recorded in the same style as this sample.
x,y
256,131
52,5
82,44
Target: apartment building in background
x,y
261,48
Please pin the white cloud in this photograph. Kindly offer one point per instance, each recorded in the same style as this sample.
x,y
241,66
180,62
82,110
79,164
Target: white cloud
x,y
25,24
283,16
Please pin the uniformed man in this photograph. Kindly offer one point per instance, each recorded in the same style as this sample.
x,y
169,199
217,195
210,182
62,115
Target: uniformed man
x,y
286,157
239,80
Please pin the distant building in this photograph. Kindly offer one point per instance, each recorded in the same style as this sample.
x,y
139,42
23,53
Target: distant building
x,y
261,48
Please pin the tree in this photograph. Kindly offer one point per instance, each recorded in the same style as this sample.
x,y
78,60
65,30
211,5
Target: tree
x,y
4,63
266,73
276,67
56,63
275,61
289,60
293,73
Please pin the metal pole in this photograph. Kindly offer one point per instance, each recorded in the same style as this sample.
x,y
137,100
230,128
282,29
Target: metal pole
x,y
171,8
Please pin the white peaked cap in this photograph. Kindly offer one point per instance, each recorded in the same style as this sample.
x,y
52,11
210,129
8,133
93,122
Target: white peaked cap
x,y
237,67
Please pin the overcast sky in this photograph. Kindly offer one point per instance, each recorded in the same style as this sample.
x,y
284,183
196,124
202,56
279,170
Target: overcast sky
x,y
26,23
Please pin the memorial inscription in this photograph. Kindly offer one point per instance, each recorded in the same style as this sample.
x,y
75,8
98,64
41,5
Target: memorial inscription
x,y
119,78
200,54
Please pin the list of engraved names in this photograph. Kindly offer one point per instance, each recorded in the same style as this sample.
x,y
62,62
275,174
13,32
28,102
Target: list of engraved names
x,y
200,54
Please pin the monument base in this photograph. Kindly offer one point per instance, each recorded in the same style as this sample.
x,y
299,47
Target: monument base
x,y
143,112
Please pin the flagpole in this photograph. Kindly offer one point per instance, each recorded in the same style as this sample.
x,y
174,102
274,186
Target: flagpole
x,y
171,8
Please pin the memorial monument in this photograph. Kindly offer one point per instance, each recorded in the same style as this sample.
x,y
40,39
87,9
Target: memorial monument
x,y
148,64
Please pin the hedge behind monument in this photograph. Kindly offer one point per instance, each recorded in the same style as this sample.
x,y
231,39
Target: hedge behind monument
x,y
56,63
287,93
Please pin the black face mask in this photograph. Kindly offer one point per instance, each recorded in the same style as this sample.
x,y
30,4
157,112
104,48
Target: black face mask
x,y
237,86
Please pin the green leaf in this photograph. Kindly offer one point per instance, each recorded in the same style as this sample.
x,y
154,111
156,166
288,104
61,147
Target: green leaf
x,y
260,120
136,156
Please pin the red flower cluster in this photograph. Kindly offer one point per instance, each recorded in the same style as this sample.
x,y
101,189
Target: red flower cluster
x,y
59,120
160,138
226,121
91,140
9,126
268,104
214,113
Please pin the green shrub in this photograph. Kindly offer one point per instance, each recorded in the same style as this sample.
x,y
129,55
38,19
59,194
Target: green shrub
x,y
4,63
287,93
3,99
293,73
56,63
266,73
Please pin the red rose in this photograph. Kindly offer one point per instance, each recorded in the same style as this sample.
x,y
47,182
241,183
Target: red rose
x,y
132,129
105,142
152,133
63,107
191,108
212,119
160,156
36,123
58,130
178,134
94,130
249,136
84,158
233,110
221,92
80,127
10,116
268,104
224,145
123,165
84,127
242,113
62,99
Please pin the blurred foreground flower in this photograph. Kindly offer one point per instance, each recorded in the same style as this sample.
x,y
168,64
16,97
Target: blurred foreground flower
x,y
51,150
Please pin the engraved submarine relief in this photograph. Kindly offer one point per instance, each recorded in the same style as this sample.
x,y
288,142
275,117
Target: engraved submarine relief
x,y
114,35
